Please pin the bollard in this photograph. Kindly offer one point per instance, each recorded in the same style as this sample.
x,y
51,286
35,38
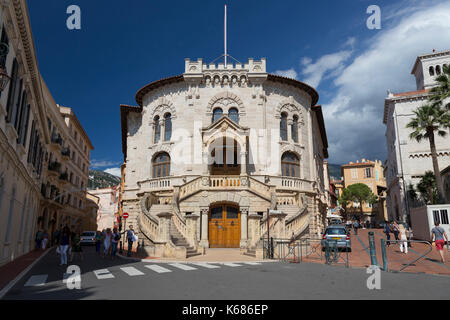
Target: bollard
x,y
120,247
373,252
383,254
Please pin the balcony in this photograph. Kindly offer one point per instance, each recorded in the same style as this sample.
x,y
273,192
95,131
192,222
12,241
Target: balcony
x,y
56,141
64,178
65,152
54,168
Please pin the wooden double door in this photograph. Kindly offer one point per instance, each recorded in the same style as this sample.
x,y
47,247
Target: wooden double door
x,y
224,226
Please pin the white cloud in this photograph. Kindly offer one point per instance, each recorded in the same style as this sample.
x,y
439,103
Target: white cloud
x,y
291,73
103,163
113,171
314,72
354,116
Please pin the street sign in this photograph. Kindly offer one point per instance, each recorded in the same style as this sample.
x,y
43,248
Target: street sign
x,y
125,215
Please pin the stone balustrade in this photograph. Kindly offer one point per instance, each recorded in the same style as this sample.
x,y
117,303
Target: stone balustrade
x,y
149,226
287,200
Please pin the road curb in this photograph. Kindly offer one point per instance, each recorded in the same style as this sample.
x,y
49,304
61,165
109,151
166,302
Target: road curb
x,y
13,282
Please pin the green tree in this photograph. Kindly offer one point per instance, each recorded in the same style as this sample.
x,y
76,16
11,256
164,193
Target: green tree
x,y
428,121
344,201
359,193
442,90
427,188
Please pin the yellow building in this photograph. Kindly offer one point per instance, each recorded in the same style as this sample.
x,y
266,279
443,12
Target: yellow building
x,y
371,173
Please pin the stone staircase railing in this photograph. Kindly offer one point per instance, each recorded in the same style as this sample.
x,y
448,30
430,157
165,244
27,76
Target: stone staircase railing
x,y
299,222
148,226
224,182
178,220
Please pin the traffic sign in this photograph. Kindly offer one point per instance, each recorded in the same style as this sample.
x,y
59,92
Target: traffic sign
x,y
125,215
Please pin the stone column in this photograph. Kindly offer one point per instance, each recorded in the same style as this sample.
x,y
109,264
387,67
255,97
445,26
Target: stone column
x,y
191,229
205,170
164,226
243,163
289,130
244,228
204,216
280,227
254,223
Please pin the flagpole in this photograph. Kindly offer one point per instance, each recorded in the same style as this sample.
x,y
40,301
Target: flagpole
x,y
225,38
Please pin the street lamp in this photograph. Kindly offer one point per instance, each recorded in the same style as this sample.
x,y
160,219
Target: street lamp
x,y
4,77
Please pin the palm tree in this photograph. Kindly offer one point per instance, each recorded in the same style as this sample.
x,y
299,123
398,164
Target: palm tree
x,y
442,90
431,119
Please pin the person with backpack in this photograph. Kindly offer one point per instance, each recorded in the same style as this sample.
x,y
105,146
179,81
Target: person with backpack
x,y
114,242
356,226
98,241
387,231
403,239
437,235
131,237
107,239
395,229
38,239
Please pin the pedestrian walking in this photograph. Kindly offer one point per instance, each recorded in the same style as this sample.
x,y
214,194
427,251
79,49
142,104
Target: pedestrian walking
x,y
439,236
356,226
114,242
64,244
98,241
76,247
44,240
107,242
131,237
38,239
387,231
55,239
403,239
395,230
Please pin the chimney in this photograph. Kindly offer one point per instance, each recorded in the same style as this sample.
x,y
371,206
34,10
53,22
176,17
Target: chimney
x,y
363,160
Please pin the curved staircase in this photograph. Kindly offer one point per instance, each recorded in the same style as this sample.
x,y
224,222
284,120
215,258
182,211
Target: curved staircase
x,y
177,238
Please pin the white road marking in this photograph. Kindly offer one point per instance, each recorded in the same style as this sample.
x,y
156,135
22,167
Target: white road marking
x,y
157,268
205,265
131,271
38,280
230,264
253,263
103,274
182,266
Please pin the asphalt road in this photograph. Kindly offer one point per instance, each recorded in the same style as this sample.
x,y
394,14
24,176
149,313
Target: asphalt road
x,y
124,279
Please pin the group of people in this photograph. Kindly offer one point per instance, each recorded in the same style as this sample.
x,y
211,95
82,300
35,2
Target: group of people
x,y
69,244
110,240
401,234
41,239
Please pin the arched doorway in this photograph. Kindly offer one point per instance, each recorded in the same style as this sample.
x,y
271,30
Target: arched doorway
x,y
224,154
224,226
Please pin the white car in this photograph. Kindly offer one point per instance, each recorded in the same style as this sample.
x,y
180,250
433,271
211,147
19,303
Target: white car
x,y
88,238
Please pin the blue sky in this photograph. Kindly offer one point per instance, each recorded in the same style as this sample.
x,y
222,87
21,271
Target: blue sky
x,y
123,45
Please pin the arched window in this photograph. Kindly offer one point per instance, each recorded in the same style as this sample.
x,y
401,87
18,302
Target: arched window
x,y
438,70
167,127
157,134
161,165
217,114
283,127
290,165
233,114
294,129
431,70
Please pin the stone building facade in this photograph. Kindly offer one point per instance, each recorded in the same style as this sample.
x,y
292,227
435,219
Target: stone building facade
x,y
35,144
209,152
371,173
108,206
408,160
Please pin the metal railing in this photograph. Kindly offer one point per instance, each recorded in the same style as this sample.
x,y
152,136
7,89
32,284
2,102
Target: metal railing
x,y
306,249
406,243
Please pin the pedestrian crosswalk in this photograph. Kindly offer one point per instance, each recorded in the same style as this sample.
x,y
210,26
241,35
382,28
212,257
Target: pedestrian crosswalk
x,y
142,270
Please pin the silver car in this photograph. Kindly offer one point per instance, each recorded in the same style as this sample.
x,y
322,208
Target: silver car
x,y
336,234
88,238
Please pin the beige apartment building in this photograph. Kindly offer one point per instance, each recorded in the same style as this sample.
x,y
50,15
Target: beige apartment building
x,y
370,173
42,163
